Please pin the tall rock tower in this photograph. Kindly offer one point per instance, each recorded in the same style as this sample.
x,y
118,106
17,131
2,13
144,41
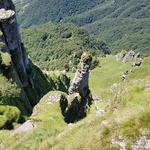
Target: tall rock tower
x,y
20,69
80,97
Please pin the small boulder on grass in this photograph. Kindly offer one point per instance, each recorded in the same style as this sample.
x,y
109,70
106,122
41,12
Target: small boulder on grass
x,y
27,126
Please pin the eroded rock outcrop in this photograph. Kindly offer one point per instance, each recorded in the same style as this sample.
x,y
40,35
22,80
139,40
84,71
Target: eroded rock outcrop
x,y
11,39
80,97
20,69
129,56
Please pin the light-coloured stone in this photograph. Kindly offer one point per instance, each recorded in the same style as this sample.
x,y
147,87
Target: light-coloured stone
x,y
119,141
142,143
6,14
100,112
27,126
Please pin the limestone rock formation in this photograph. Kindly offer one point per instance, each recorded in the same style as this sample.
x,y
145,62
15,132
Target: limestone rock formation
x,y
80,97
121,55
80,82
137,62
21,70
129,56
6,14
12,40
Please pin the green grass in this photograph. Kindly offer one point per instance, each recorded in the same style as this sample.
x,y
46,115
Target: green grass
x,y
49,122
130,119
6,59
109,72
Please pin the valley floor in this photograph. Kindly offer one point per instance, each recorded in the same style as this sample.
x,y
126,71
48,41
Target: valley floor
x,y
119,117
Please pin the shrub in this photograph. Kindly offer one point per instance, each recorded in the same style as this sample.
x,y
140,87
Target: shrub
x,y
8,115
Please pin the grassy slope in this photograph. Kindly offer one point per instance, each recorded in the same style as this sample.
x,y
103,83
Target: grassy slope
x,y
131,116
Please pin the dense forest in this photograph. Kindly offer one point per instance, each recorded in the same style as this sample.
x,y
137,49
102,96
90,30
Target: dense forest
x,y
54,46
121,24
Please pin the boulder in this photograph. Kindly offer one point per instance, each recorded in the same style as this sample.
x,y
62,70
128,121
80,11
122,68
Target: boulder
x,y
129,56
6,14
25,127
121,55
138,62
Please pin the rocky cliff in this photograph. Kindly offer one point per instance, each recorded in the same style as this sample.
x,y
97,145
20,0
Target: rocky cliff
x,y
17,67
80,98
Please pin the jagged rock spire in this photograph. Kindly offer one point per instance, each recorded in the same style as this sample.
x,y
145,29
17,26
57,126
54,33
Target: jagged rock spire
x,y
11,39
80,97
22,71
80,82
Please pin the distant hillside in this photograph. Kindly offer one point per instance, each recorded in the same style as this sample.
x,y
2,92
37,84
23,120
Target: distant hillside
x,y
59,46
120,23
37,12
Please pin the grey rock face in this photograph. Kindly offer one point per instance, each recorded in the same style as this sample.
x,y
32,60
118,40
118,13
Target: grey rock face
x,y
22,71
80,82
137,62
141,143
121,55
79,94
11,38
129,56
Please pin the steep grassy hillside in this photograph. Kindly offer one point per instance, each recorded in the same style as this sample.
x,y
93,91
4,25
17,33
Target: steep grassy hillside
x,y
121,24
126,104
59,46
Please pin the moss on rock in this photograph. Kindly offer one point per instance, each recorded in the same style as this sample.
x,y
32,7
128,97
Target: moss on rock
x,y
8,115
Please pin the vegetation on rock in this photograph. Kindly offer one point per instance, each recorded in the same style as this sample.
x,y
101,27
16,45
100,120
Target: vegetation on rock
x,y
59,46
80,98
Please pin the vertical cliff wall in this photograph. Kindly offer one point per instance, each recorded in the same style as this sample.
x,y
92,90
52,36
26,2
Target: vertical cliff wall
x,y
20,69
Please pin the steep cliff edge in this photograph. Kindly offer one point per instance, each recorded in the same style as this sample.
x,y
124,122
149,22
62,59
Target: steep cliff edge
x,y
15,66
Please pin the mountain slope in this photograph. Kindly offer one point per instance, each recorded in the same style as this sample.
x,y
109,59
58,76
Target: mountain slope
x,y
37,12
59,45
80,12
121,24
126,118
